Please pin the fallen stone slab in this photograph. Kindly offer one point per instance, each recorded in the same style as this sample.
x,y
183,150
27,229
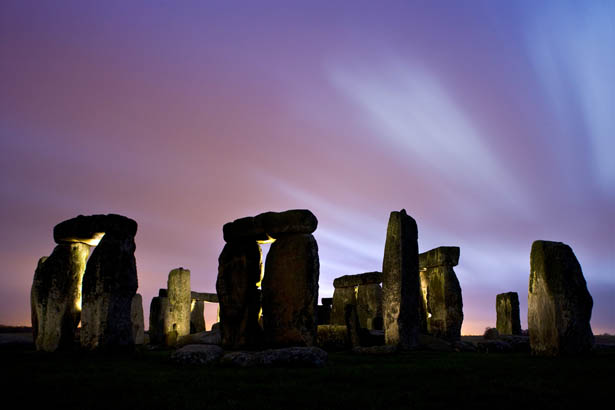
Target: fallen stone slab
x,y
198,354
286,357
366,278
427,342
212,337
375,350
494,346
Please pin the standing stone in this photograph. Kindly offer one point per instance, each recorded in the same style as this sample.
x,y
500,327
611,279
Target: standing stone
x,y
341,298
400,284
109,285
177,317
158,307
55,297
369,306
442,303
559,304
136,316
239,271
508,318
197,316
290,290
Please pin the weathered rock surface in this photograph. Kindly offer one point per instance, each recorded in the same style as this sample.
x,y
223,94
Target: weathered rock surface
x,y
400,284
109,285
341,298
294,221
136,317
356,280
333,337
157,310
286,357
290,291
507,309
559,304
244,229
212,337
198,354
177,316
441,256
442,302
197,316
55,297
239,271
369,306
90,229
205,297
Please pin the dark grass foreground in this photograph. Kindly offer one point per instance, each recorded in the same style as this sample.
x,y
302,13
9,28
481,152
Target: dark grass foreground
x,y
149,380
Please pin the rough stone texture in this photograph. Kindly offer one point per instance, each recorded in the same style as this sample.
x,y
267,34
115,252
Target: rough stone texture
x,y
441,256
136,317
352,325
559,304
508,318
286,357
157,310
290,291
198,354
333,337
367,278
341,298
55,297
400,284
294,221
89,229
442,302
239,270
109,285
197,316
177,316
212,337
323,315
369,306
244,229
205,297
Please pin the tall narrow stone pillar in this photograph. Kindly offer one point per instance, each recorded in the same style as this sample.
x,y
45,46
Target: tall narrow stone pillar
x,y
508,318
136,315
177,317
400,283
197,316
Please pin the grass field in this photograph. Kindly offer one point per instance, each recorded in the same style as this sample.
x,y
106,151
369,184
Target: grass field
x,y
149,380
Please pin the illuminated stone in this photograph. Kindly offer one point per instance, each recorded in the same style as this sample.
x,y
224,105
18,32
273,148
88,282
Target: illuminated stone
x,y
239,271
109,285
341,298
369,306
177,316
400,281
205,297
213,337
442,303
356,280
333,337
559,304
290,291
55,297
136,316
508,318
197,316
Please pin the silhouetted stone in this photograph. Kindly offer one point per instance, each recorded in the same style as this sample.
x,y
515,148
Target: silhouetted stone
x,y
352,325
356,280
136,317
55,297
507,309
198,354
244,229
369,306
442,302
197,316
441,256
294,221
323,315
157,310
163,293
559,304
89,229
327,302
109,285
341,298
204,297
290,291
333,337
400,281
177,316
239,271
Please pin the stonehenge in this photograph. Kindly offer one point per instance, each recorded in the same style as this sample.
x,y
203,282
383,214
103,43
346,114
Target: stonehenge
x,y
289,284
66,289
136,317
400,282
442,305
508,320
559,304
364,292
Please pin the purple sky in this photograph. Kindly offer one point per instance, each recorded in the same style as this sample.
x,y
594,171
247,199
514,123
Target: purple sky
x,y
491,123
